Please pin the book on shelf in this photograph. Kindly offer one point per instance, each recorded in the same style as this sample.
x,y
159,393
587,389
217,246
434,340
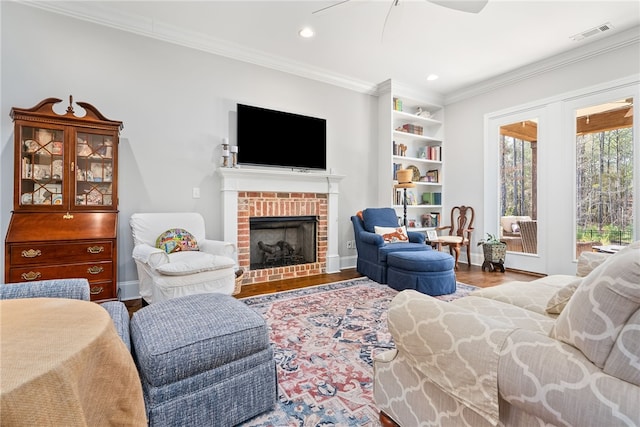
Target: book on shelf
x,y
429,198
434,153
435,219
397,104
396,168
411,128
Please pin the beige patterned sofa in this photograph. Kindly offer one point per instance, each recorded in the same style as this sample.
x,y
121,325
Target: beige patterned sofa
x,y
557,351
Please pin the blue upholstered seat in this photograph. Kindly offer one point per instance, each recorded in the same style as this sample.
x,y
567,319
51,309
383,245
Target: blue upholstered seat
x,y
203,360
372,250
431,273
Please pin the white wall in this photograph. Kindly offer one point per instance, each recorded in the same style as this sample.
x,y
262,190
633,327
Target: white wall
x,y
174,103
464,127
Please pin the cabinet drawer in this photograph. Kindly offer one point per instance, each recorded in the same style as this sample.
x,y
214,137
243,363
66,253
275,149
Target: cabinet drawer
x,y
47,253
92,271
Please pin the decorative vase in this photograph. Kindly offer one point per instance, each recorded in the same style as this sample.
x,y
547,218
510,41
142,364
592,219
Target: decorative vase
x,y
494,256
495,253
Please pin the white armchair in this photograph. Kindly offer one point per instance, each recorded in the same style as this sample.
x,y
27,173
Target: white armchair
x,y
163,275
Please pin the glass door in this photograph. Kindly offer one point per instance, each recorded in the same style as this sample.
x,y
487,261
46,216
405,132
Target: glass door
x,y
94,169
514,155
519,186
604,192
41,167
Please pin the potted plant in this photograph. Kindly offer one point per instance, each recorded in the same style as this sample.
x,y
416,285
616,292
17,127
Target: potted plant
x,y
495,252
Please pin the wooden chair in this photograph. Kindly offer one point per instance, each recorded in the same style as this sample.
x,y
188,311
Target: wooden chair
x,y
459,231
529,232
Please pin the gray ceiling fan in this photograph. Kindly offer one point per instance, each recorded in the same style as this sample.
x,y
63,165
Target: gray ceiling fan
x,y
470,6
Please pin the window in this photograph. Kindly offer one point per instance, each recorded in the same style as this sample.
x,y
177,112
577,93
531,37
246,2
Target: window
x,y
604,175
518,185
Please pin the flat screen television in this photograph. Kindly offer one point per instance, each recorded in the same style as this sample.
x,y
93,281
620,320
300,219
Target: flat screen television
x,y
280,139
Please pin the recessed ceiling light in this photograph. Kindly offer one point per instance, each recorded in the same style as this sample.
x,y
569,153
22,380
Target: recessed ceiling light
x,y
432,77
306,32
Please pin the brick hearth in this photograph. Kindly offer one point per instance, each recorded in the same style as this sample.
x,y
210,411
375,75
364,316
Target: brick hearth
x,y
253,204
271,192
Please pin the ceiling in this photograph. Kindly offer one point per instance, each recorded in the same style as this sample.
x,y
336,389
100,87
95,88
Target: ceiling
x,y
350,46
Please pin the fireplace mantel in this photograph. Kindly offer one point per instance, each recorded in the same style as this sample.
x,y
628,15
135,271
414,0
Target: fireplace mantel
x,y
234,180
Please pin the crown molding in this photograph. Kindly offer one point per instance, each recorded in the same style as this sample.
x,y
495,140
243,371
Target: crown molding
x,y
587,51
111,17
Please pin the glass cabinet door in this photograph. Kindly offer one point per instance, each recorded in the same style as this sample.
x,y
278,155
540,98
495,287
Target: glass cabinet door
x,y
94,169
41,166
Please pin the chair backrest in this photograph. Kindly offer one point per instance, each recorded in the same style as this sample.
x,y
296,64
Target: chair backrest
x,y
147,227
53,288
382,217
529,233
462,218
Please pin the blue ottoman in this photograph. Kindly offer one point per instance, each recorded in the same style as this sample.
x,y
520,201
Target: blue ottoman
x,y
203,360
429,272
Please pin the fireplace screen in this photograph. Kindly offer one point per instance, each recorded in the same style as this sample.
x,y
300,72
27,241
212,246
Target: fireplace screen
x,y
284,240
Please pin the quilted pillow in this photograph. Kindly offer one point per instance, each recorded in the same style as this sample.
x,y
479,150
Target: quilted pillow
x,y
176,240
392,234
560,299
601,306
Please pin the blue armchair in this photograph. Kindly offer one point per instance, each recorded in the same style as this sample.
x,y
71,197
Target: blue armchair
x,y
371,247
73,289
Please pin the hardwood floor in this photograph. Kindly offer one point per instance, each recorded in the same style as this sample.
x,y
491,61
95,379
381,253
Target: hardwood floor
x,y
472,275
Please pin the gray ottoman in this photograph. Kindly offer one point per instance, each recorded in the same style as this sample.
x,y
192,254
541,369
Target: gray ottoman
x,y
204,360
430,272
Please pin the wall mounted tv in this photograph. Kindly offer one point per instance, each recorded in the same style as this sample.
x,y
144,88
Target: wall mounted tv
x,y
276,138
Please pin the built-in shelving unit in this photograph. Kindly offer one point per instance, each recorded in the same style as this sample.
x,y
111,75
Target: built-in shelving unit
x,y
411,137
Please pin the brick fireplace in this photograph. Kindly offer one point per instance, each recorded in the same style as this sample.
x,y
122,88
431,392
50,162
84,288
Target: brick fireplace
x,y
258,193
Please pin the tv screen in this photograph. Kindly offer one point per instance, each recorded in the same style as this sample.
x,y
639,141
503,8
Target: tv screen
x,y
276,138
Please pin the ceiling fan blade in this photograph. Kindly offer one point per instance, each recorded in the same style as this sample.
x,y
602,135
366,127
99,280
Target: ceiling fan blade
x,y
330,6
470,6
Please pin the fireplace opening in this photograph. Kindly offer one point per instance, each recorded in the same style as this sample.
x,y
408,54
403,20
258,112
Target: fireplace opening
x,y
282,240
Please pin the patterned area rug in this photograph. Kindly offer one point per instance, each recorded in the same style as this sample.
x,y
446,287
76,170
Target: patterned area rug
x,y
324,338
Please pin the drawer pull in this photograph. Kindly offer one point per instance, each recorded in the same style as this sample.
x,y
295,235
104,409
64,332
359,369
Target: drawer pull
x,y
95,249
95,270
32,275
67,216
96,290
31,253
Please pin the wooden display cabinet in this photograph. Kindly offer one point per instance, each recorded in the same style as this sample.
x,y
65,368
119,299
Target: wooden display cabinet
x,y
65,208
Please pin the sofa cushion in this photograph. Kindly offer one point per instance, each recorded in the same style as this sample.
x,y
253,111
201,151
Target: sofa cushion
x,y
392,234
601,306
587,261
181,263
532,296
507,222
383,217
559,300
624,362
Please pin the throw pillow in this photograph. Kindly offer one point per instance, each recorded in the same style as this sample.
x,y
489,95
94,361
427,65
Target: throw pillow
x,y
176,240
560,299
393,234
515,228
601,306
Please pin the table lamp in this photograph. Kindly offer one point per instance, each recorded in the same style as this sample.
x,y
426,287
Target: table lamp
x,y
404,177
